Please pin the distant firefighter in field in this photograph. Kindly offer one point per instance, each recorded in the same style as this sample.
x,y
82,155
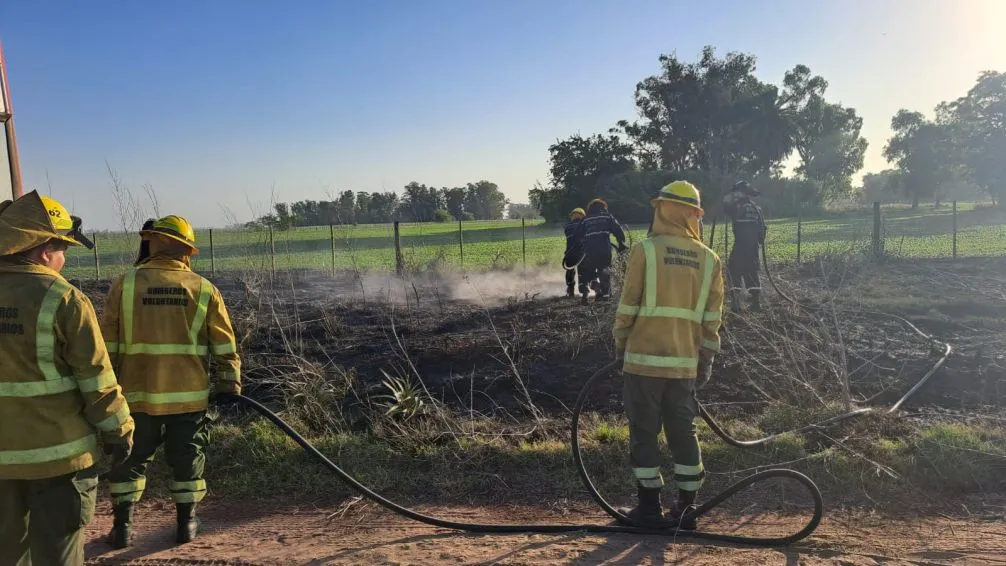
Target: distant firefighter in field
x,y
749,233
574,251
594,234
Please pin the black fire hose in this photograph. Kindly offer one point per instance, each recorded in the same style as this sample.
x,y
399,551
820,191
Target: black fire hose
x,y
586,528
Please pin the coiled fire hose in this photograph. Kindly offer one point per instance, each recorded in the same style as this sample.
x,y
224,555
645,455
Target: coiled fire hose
x,y
628,527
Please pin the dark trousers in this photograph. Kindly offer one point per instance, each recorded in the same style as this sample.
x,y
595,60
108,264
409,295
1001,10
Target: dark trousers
x,y
571,279
596,267
742,267
185,438
42,521
655,403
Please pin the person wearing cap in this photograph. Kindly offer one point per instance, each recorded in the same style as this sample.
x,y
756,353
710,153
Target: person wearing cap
x,y
594,235
667,334
161,322
58,391
749,233
574,252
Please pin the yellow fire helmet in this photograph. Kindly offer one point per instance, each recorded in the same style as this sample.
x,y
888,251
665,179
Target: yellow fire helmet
x,y
174,227
33,220
679,192
577,213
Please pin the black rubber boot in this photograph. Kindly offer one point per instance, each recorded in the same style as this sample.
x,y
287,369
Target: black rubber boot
x,y
121,535
756,300
583,299
686,502
188,524
569,292
647,510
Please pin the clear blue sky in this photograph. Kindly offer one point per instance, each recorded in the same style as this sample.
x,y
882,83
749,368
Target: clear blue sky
x,y
216,102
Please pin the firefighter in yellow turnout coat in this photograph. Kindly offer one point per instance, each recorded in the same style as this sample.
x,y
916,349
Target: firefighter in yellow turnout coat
x,y
666,331
58,393
161,323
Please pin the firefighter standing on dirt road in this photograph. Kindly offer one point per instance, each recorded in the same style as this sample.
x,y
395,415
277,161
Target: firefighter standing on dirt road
x,y
749,233
161,320
666,332
574,251
58,392
594,235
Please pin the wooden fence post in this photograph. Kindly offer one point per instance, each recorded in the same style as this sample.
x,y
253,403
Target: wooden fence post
x,y
799,232
523,243
272,251
331,230
955,229
877,236
461,243
213,259
97,264
398,251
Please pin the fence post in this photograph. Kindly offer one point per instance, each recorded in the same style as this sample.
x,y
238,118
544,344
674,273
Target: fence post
x,y
331,230
799,232
955,229
726,242
398,250
97,265
213,258
272,251
461,243
877,249
523,243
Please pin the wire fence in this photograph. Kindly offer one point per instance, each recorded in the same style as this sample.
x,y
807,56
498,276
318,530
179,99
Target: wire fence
x,y
950,231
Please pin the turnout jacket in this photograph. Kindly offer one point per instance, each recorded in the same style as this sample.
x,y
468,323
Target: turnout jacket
x,y
671,304
162,323
574,248
58,391
746,219
594,234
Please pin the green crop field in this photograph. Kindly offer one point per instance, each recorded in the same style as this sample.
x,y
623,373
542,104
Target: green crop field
x,y
924,233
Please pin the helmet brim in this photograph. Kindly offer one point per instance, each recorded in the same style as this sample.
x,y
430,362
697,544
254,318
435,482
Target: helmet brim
x,y
145,233
656,201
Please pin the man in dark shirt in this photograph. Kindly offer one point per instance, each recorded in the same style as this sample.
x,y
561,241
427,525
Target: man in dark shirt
x,y
594,234
749,233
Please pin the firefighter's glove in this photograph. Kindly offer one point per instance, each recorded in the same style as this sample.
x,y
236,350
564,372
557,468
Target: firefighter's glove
x,y
119,450
224,398
622,247
705,370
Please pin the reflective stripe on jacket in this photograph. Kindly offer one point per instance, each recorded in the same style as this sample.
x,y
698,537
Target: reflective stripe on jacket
x,y
57,387
671,305
162,322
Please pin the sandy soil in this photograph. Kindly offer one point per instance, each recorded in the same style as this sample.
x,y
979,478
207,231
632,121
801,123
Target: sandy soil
x,y
258,533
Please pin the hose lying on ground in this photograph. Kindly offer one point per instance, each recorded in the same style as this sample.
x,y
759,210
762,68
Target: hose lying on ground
x,y
587,528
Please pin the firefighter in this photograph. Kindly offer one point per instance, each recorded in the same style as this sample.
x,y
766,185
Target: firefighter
x,y
594,235
574,252
666,333
161,321
749,233
58,392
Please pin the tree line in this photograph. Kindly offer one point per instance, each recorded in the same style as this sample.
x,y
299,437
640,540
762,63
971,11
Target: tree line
x,y
418,202
713,122
964,143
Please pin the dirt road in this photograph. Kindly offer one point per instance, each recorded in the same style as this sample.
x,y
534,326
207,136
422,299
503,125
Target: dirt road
x,y
258,533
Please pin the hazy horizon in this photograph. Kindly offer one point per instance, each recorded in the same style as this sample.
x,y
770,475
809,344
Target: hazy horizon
x,y
214,104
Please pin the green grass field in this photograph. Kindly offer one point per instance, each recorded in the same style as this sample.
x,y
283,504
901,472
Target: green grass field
x,y
924,233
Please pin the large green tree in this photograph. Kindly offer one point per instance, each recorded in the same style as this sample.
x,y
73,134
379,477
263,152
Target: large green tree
x,y
826,136
577,164
714,115
925,152
978,122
